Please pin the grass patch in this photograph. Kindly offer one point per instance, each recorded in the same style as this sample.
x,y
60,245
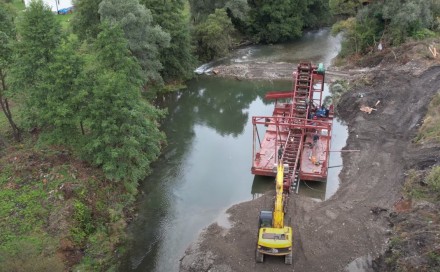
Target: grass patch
x,y
30,254
421,185
430,130
25,205
64,20
412,186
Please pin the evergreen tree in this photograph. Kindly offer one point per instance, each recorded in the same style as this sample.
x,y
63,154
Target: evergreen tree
x,y
122,131
144,37
39,34
86,19
7,34
177,59
61,96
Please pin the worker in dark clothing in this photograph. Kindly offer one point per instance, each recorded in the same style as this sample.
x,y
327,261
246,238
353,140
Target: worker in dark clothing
x,y
315,138
280,152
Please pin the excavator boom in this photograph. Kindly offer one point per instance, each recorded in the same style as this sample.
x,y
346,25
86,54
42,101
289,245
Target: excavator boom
x,y
278,212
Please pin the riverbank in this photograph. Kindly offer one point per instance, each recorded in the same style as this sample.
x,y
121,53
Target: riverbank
x,y
354,224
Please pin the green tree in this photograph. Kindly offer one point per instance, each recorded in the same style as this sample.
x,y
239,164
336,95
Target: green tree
x,y
403,19
62,95
344,8
318,14
122,130
177,59
360,36
277,21
201,9
86,19
144,37
7,34
238,11
39,34
214,35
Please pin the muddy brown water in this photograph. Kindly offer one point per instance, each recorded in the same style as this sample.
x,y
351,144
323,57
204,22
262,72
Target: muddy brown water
x,y
205,167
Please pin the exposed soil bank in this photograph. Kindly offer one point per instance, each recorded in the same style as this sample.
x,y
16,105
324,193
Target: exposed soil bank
x,y
355,221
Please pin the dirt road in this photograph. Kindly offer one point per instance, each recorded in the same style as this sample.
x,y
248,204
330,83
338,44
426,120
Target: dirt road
x,y
354,222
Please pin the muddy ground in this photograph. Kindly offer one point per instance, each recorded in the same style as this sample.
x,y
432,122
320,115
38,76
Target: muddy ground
x,y
354,222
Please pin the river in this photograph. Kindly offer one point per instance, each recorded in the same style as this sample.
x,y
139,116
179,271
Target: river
x,y
205,168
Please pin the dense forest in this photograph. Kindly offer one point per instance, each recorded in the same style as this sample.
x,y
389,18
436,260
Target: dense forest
x,y
84,84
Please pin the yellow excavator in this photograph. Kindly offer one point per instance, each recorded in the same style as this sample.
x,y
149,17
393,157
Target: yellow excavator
x,y
274,238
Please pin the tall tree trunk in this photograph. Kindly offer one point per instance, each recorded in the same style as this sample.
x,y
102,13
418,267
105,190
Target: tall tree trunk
x,y
6,110
82,127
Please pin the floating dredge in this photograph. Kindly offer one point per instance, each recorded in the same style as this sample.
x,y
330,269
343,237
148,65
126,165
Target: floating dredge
x,y
298,132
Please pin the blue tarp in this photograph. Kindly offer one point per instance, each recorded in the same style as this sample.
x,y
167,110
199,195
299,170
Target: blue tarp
x,y
65,10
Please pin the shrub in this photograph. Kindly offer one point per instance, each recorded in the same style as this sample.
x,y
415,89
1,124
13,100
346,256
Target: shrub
x,y
433,179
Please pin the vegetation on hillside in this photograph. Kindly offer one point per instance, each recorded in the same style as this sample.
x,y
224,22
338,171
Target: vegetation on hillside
x,y
56,211
384,23
414,243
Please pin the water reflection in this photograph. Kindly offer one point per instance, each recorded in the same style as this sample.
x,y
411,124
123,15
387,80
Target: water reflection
x,y
261,185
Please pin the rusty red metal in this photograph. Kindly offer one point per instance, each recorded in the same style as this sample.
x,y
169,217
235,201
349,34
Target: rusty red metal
x,y
298,132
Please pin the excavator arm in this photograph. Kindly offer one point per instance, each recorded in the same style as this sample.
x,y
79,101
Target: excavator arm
x,y
278,211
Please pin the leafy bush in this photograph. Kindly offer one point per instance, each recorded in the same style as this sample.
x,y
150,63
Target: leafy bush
x,y
83,222
423,33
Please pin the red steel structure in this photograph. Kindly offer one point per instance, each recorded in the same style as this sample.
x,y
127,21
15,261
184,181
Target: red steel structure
x,y
298,132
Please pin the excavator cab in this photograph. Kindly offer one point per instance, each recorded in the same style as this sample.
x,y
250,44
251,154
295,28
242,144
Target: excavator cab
x,y
265,219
